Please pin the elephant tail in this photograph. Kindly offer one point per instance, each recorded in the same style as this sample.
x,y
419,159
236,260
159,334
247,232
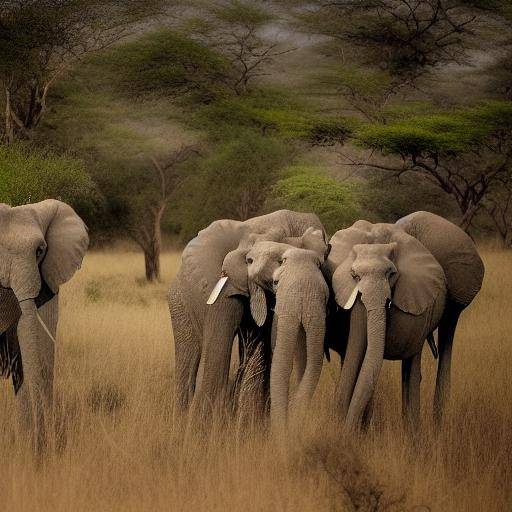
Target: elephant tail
x,y
10,359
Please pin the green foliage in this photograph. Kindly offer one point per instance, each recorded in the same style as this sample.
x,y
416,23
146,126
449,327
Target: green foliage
x,y
363,80
28,175
337,203
447,132
271,112
387,198
233,182
167,63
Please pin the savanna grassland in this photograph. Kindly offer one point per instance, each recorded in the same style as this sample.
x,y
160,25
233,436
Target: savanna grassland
x,y
117,445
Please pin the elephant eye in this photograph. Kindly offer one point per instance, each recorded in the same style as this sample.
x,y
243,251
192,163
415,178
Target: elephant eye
x,y
249,261
280,261
40,252
354,275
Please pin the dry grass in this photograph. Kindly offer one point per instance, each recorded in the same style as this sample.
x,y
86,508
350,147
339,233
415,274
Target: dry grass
x,y
118,447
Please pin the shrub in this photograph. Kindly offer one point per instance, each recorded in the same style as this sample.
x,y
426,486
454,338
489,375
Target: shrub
x,y
337,203
29,175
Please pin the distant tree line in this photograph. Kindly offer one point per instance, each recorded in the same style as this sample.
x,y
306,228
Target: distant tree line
x,y
163,116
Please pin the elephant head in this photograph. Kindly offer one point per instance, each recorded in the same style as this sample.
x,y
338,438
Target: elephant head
x,y
385,264
387,268
41,247
250,267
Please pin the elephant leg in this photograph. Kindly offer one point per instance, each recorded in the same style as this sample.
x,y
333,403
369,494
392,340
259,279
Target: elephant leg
x,y
354,355
187,352
187,356
411,380
446,334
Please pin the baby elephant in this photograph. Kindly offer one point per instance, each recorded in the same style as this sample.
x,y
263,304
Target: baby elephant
x,y
299,328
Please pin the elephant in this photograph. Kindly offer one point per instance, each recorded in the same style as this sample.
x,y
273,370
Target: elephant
x,y
42,245
464,271
396,292
300,323
211,301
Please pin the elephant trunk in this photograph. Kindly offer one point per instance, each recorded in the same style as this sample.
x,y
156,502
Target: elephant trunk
x,y
33,398
315,336
282,360
222,321
370,369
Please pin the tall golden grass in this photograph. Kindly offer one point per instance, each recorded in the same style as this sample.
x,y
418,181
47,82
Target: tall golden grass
x,y
117,445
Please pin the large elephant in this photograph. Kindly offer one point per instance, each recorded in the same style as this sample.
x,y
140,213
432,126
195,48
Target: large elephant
x,y
204,333
41,247
464,270
396,292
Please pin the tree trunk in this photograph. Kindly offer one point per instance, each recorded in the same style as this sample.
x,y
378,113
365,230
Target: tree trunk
x,y
152,261
153,246
507,239
8,127
467,217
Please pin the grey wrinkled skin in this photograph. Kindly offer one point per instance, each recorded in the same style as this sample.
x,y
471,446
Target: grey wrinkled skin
x,y
401,294
204,334
464,270
300,318
41,247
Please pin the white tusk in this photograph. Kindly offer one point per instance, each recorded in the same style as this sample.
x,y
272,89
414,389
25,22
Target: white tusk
x,y
351,299
216,290
43,325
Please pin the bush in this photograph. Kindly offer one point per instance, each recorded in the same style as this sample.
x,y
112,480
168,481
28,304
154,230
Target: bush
x,y
231,183
337,203
29,175
166,63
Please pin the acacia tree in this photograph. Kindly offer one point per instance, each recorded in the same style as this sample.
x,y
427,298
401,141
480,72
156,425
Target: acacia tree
x,y
234,28
396,42
499,206
149,203
41,39
467,153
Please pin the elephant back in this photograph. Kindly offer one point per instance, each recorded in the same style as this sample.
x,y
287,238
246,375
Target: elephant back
x,y
292,224
202,258
452,248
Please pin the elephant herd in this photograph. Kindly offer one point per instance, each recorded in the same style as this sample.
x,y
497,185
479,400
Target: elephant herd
x,y
274,283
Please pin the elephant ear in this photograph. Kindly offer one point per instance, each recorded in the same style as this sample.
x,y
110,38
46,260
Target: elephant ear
x,y
66,239
344,286
258,303
420,277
